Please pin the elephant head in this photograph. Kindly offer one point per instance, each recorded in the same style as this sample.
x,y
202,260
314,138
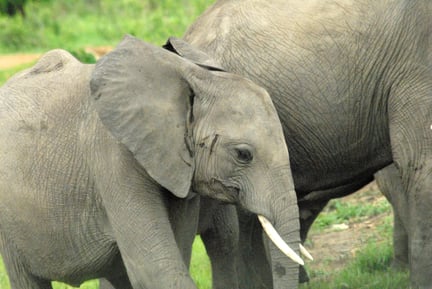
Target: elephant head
x,y
194,127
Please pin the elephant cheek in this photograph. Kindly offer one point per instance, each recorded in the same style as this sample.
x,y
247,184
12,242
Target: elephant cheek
x,y
216,189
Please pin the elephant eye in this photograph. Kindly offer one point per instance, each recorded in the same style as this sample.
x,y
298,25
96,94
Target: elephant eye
x,y
243,154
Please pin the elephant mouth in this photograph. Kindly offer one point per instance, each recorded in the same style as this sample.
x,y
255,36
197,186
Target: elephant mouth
x,y
225,191
229,192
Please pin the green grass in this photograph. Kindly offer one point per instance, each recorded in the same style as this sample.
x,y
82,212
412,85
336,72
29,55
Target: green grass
x,y
77,24
338,211
92,284
369,270
200,265
371,267
4,281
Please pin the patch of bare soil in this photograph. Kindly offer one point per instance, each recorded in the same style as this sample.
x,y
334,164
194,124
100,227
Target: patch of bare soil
x,y
98,51
12,60
333,248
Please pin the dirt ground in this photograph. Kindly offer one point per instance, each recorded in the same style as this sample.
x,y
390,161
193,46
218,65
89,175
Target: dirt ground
x,y
11,60
331,248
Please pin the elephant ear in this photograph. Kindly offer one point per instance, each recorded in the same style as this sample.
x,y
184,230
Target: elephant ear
x,y
191,53
143,99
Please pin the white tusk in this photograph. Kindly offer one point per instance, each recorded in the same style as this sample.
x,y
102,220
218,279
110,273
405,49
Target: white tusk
x,y
305,252
277,240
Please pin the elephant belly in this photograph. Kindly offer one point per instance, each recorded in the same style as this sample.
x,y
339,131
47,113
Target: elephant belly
x,y
313,172
74,263
55,242
103,262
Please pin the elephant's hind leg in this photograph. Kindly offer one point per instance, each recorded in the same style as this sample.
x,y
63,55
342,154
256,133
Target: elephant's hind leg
x,y
410,120
389,183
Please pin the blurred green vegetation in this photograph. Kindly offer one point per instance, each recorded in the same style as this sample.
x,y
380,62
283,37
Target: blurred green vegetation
x,y
77,24
12,7
7,73
83,56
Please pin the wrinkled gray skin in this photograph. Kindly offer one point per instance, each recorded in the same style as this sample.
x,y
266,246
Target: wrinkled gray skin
x,y
389,182
351,81
219,231
98,164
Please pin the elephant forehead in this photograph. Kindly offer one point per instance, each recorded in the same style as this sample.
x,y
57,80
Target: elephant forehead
x,y
249,120
246,99
254,108
243,108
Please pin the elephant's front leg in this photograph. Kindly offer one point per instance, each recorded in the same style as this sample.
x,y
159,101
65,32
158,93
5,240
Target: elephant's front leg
x,y
410,116
400,244
309,211
139,219
219,231
184,216
184,219
141,227
254,269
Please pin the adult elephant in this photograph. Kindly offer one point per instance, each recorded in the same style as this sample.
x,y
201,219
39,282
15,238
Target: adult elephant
x,y
389,183
351,81
98,164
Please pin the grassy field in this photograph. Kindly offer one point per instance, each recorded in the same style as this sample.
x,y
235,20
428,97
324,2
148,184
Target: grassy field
x,y
370,268
74,25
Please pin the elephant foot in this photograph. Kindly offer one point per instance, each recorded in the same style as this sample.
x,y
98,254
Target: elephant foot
x,y
399,265
303,275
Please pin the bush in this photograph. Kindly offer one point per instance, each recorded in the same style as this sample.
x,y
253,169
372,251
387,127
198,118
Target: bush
x,y
76,24
83,56
12,7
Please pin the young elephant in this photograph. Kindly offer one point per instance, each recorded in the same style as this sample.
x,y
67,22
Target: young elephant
x,y
352,83
97,165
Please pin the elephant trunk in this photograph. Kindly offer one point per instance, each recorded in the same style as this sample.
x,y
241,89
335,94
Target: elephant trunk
x,y
285,270
277,211
279,242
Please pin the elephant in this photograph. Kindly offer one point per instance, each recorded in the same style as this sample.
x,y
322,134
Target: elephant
x,y
389,183
103,166
221,242
351,81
